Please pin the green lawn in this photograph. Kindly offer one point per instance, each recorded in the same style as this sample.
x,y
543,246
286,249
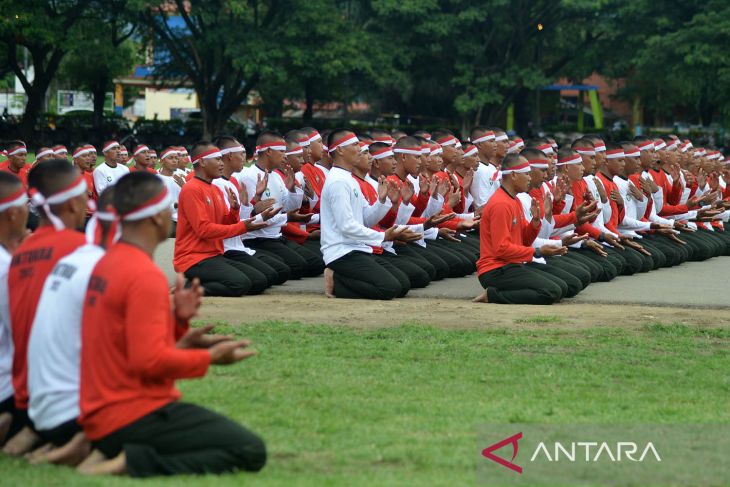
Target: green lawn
x,y
399,406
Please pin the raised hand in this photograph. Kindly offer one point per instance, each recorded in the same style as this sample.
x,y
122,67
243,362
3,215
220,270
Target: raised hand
x,y
201,338
230,352
635,192
550,251
646,186
252,225
423,184
289,180
179,180
295,216
560,189
262,183
407,191
232,199
308,191
403,234
270,212
547,203
673,171
535,210
436,220
573,238
467,180
394,192
586,212
262,205
453,197
617,198
243,195
382,189
186,301
596,247
601,190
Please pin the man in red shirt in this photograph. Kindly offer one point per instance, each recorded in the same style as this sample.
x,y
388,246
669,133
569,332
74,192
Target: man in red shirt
x,y
15,164
59,193
135,345
506,245
84,158
204,220
142,159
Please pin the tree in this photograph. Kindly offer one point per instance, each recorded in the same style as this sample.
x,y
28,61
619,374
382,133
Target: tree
x,y
106,36
45,29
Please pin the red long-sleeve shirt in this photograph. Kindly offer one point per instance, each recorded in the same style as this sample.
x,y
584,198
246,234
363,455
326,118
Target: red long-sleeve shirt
x,y
580,188
668,209
129,362
203,221
505,237
617,215
316,179
561,219
32,262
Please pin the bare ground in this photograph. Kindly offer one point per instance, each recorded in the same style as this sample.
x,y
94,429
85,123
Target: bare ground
x,y
447,313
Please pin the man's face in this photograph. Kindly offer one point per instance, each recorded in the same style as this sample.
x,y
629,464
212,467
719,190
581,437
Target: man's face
x,y
412,164
589,163
362,163
183,161
550,172
386,165
575,172
122,157
153,160
615,166
521,181
47,157
17,161
306,154
537,177
500,148
632,165
142,159
276,157
212,168
112,155
169,162
449,155
470,162
294,161
315,151
90,160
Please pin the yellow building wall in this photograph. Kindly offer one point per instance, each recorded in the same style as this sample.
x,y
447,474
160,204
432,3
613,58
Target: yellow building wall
x,y
160,102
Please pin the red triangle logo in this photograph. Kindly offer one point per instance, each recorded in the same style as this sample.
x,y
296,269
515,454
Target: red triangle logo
x,y
488,452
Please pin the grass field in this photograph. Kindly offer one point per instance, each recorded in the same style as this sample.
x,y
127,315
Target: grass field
x,y
339,405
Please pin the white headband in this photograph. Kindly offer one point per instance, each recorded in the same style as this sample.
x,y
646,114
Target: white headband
x,y
18,151
77,188
109,147
500,138
44,153
294,152
233,150
17,199
487,136
414,152
162,202
141,148
570,160
383,155
470,152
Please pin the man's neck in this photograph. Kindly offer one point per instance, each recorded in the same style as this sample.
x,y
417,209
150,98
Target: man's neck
x,y
509,190
110,163
201,175
326,165
139,239
227,172
400,171
374,173
166,172
8,242
139,167
360,174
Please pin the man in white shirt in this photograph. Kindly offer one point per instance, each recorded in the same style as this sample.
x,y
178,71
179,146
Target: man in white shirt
x,y
108,173
168,165
346,238
486,176
13,217
281,187
54,349
261,266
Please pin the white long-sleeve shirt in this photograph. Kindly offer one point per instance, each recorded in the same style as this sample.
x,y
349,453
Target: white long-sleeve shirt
x,y
174,190
346,217
235,243
633,210
487,180
274,189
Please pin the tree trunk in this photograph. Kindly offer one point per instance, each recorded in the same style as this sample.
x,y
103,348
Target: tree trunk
x,y
33,108
99,93
309,98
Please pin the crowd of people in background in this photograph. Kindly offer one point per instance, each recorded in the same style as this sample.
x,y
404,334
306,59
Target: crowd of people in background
x,y
91,341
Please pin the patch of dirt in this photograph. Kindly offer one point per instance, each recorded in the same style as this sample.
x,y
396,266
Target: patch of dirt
x,y
446,313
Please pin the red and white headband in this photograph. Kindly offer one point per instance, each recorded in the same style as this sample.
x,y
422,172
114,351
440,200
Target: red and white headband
x,y
150,208
44,153
403,150
471,152
209,154
615,154
519,143
633,153
484,137
546,148
76,188
343,142
109,146
60,150
86,149
659,144
513,148
233,150
294,152
168,152
672,145
139,149
385,140
314,136
382,153
566,161
699,153
522,168
277,145
599,146
426,150
646,145
585,151
448,140
18,151
19,198
538,163
437,150
304,142
501,137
